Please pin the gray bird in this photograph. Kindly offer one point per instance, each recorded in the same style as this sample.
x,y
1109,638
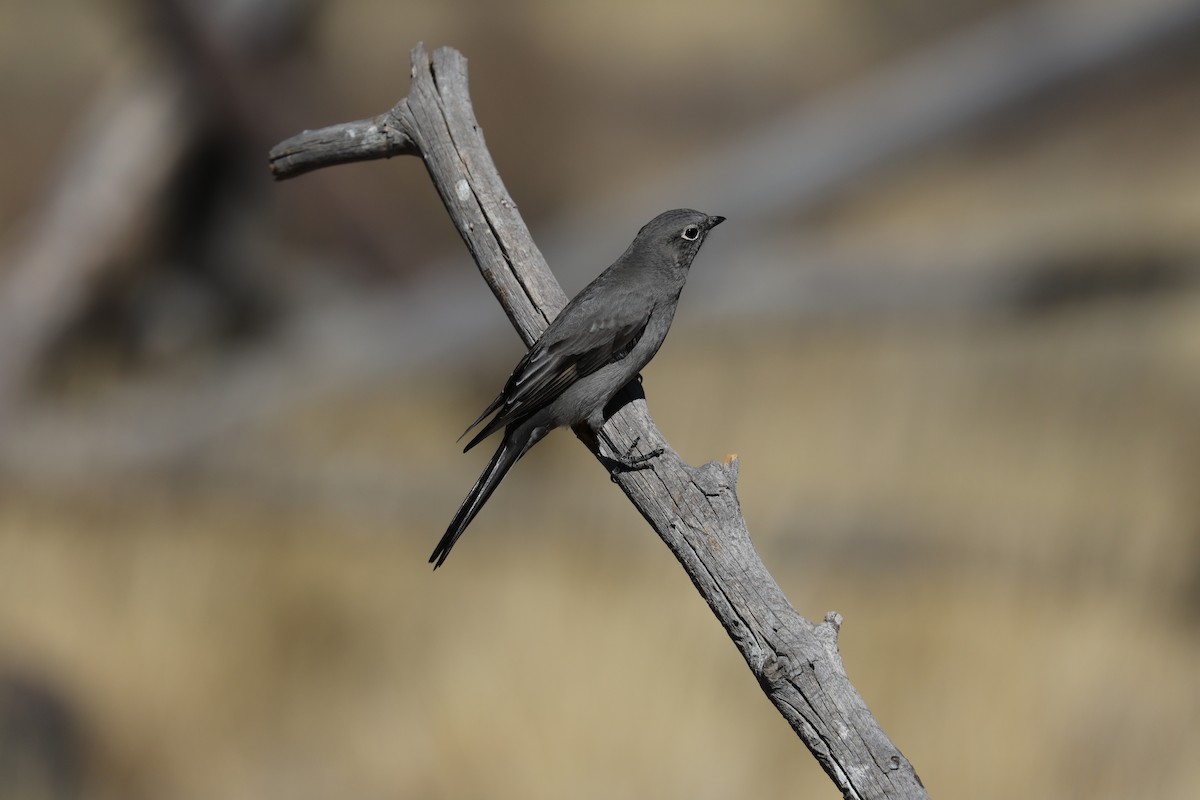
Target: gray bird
x,y
592,349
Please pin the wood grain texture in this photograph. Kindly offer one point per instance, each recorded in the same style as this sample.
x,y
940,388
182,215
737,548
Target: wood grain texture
x,y
364,140
695,510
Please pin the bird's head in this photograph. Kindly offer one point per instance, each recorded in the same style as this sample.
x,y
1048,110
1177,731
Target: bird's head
x,y
677,235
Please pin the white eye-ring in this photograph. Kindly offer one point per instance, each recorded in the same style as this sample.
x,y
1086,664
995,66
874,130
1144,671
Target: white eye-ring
x,y
691,233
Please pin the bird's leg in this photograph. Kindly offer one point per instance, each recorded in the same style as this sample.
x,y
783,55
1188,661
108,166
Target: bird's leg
x,y
636,461
630,461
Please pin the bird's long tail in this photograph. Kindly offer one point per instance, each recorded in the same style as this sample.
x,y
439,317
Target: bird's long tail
x,y
510,450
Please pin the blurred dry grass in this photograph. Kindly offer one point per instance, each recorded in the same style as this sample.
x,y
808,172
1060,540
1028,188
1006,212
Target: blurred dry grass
x,y
1004,508
1022,617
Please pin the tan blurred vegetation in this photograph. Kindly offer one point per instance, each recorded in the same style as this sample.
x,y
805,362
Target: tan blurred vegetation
x,y
1002,503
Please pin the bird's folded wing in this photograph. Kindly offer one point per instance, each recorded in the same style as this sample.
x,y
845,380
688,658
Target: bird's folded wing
x,y
551,366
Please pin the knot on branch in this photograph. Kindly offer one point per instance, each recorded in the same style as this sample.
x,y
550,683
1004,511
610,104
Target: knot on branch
x,y
783,669
716,478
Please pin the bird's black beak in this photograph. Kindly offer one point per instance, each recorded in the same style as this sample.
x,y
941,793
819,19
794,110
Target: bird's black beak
x,y
713,222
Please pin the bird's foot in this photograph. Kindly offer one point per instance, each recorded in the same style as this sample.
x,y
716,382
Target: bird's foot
x,y
630,461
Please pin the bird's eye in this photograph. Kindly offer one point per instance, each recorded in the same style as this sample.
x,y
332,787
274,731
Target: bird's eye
x,y
691,233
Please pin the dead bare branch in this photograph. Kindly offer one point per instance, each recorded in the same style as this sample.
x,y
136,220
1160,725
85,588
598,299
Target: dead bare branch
x,y
694,510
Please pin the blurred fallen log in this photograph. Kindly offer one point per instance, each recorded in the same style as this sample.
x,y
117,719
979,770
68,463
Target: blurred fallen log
x,y
813,154
922,99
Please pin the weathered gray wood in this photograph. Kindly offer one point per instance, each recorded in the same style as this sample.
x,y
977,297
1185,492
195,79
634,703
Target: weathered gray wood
x,y
695,510
437,114
364,140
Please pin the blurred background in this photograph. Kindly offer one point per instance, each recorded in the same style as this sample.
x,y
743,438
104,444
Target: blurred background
x,y
952,329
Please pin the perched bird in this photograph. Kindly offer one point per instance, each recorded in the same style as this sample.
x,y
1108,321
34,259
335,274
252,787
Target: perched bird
x,y
592,349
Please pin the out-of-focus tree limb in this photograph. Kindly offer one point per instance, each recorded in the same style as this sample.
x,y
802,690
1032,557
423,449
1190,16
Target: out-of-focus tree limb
x,y
976,73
